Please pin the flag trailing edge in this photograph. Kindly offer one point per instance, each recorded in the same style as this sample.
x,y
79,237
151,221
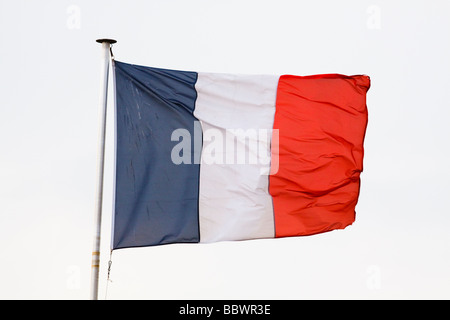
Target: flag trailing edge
x,y
206,157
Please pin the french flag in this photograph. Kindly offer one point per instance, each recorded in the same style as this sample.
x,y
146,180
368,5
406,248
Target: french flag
x,y
206,157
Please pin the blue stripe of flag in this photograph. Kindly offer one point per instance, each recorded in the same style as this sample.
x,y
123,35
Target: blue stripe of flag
x,y
156,201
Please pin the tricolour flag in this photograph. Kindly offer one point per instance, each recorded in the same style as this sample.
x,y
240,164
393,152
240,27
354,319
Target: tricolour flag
x,y
206,157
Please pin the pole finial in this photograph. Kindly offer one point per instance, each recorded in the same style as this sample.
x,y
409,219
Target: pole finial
x,y
110,41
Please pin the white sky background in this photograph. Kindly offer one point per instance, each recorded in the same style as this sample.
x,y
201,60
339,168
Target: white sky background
x,y
399,246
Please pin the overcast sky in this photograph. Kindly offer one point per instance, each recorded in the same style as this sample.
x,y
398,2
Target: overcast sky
x,y
399,246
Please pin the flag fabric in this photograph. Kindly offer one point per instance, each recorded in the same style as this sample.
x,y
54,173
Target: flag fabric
x,y
206,157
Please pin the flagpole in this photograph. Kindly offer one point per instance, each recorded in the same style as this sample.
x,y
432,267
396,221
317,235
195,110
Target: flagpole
x,y
95,266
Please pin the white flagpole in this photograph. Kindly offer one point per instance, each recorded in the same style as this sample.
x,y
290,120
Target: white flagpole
x,y
95,267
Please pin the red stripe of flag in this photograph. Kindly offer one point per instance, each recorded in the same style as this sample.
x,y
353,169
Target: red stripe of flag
x,y
322,122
